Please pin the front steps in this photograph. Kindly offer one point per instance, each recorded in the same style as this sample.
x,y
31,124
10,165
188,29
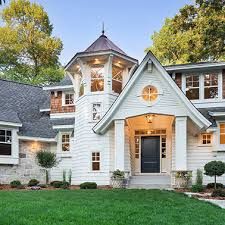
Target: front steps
x,y
161,181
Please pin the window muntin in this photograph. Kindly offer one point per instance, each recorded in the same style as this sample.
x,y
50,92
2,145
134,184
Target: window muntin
x,y
150,93
96,111
206,139
211,86
95,161
222,133
5,142
97,78
69,99
192,87
117,79
65,142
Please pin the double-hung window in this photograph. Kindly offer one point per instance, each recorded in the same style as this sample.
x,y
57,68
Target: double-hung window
x,y
192,87
95,161
210,86
5,142
66,142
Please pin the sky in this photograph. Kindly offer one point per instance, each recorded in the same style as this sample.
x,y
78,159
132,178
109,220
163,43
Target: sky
x,y
128,23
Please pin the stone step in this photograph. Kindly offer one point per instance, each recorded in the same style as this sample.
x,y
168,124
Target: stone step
x,y
149,186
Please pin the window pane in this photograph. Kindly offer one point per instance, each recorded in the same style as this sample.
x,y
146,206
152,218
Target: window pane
x,y
211,92
192,87
192,94
117,79
66,147
5,149
97,79
2,138
95,166
2,132
211,86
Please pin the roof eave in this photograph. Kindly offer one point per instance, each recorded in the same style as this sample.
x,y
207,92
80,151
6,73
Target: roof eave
x,y
55,88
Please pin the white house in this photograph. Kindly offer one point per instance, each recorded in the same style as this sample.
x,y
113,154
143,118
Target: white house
x,y
109,112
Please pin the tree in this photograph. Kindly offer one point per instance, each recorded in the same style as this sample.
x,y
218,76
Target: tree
x,y
27,48
46,160
196,33
214,169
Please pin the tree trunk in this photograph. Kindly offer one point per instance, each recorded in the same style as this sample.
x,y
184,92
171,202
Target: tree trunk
x,y
215,183
47,177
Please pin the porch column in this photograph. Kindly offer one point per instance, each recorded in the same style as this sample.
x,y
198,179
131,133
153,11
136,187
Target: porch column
x,y
119,144
181,143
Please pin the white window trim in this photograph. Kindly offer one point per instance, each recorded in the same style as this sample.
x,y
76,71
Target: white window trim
x,y
202,87
64,98
100,160
205,145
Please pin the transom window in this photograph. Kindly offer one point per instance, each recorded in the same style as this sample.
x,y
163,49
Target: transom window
x,y
222,133
117,79
210,86
95,161
5,142
97,78
96,111
206,139
69,99
65,142
150,93
192,87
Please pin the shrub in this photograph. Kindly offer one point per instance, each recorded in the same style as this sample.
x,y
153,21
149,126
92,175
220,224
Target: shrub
x,y
15,184
88,185
56,184
65,185
46,160
199,177
212,185
118,174
197,188
214,169
42,185
218,193
33,182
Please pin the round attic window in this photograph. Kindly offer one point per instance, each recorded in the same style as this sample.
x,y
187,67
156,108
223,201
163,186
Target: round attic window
x,y
150,94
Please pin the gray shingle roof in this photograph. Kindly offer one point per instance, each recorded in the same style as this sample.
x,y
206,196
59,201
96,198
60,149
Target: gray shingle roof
x,y
205,113
21,103
66,81
63,121
103,44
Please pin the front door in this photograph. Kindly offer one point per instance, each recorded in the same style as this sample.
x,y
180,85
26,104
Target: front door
x,y
150,154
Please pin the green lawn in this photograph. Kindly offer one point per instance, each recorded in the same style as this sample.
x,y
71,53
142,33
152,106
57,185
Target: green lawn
x,y
105,207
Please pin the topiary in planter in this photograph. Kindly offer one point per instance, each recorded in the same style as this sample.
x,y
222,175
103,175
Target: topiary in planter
x,y
118,178
214,169
15,184
33,182
88,185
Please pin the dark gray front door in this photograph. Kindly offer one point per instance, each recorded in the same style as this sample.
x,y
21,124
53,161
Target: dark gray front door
x,y
150,154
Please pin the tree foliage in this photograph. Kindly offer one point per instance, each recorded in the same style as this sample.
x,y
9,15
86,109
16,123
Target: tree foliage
x,y
214,169
27,49
196,33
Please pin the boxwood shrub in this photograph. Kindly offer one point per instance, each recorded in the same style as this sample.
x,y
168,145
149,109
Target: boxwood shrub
x,y
15,184
197,188
218,193
88,185
56,184
211,185
33,182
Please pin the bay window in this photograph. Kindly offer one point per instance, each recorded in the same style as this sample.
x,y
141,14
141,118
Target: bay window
x,y
97,78
192,87
5,142
210,86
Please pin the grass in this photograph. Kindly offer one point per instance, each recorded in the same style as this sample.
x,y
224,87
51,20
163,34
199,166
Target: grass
x,y
105,207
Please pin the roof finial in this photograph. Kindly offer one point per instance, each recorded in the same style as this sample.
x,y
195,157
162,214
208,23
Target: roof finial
x,y
103,28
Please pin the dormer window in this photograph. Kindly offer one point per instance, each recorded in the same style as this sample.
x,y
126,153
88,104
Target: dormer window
x,y
68,99
117,79
211,86
97,78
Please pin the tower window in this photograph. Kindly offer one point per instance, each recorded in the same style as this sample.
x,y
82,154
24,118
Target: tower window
x,y
97,78
117,79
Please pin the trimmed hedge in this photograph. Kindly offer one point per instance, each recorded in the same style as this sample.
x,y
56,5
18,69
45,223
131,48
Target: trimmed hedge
x,y
33,182
88,185
218,193
197,188
56,183
15,184
211,185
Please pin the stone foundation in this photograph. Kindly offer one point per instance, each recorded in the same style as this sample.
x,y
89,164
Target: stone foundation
x,y
27,168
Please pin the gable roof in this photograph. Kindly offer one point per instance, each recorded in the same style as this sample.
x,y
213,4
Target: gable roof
x,y
195,115
103,43
20,103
